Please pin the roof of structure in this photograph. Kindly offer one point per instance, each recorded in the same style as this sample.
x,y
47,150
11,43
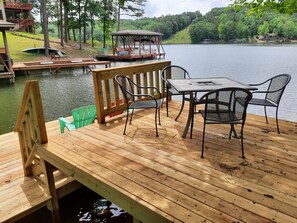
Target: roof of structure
x,y
135,33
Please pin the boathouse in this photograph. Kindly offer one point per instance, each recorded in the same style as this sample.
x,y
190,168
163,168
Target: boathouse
x,y
136,44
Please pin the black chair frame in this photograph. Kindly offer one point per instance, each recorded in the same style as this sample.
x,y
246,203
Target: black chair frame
x,y
268,101
217,111
139,100
171,91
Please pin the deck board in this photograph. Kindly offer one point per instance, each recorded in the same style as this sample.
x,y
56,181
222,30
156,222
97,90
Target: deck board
x,y
164,179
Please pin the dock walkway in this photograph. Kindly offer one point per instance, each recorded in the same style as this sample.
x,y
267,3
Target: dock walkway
x,y
164,179
55,65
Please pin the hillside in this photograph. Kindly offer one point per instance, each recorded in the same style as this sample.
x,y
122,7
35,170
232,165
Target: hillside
x,y
181,37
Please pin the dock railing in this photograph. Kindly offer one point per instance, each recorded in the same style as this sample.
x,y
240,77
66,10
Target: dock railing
x,y
109,100
30,126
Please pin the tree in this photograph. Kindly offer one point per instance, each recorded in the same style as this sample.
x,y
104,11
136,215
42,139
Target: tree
x,y
201,30
132,8
261,6
263,29
43,10
107,18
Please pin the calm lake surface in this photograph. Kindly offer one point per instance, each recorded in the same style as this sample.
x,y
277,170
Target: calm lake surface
x,y
245,63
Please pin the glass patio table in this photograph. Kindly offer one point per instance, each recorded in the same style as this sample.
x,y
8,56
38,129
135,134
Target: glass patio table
x,y
195,85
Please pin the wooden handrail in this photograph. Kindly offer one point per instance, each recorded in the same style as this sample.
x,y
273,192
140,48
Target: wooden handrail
x,y
31,129
107,94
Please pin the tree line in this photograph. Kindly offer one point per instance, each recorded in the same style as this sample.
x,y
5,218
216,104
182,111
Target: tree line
x,y
228,24
91,20
222,25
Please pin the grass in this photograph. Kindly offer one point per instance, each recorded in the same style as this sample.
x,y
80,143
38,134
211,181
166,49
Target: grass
x,y
17,43
182,37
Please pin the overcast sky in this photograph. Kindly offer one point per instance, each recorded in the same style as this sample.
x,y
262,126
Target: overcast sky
x,y
156,8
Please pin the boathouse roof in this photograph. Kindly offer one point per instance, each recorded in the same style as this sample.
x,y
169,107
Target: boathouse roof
x,y
136,33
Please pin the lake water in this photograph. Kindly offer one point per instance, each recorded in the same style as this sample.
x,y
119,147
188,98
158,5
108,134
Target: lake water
x,y
72,88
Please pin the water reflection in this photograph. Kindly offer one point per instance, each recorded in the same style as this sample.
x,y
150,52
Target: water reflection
x,y
103,211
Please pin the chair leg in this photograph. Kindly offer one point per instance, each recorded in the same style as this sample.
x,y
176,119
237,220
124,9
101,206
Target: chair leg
x,y
203,135
131,116
192,125
276,118
159,114
265,114
167,96
181,109
127,117
231,130
242,149
156,114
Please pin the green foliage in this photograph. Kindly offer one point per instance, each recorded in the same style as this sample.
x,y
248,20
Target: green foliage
x,y
168,25
233,25
263,29
260,7
201,30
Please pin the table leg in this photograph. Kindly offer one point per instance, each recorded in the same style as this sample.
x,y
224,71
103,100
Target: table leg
x,y
190,115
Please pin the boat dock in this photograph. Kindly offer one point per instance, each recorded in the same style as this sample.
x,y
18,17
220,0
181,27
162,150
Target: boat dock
x,y
56,65
155,179
165,176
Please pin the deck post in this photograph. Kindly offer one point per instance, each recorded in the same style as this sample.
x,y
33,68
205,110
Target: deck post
x,y
53,204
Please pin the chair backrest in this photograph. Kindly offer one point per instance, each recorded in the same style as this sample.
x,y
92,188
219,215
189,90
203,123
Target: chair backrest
x,y
277,87
227,99
84,115
174,72
126,86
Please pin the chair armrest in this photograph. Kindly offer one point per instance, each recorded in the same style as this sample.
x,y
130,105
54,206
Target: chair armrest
x,y
148,95
265,92
258,84
65,123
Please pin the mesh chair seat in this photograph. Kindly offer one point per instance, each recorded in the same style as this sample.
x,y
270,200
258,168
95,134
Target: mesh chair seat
x,y
146,104
222,116
263,102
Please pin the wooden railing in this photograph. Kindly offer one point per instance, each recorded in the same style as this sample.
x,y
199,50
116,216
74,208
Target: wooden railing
x,y
31,129
32,134
108,97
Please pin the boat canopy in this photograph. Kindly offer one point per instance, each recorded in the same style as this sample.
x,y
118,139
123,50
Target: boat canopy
x,y
137,43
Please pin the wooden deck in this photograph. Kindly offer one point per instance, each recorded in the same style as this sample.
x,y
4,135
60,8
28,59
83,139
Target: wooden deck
x,y
22,195
164,179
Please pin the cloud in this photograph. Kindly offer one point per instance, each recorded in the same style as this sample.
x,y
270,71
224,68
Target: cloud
x,y
156,8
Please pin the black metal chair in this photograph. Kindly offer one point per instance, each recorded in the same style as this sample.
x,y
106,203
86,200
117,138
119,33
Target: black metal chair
x,y
174,72
136,99
225,106
273,93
